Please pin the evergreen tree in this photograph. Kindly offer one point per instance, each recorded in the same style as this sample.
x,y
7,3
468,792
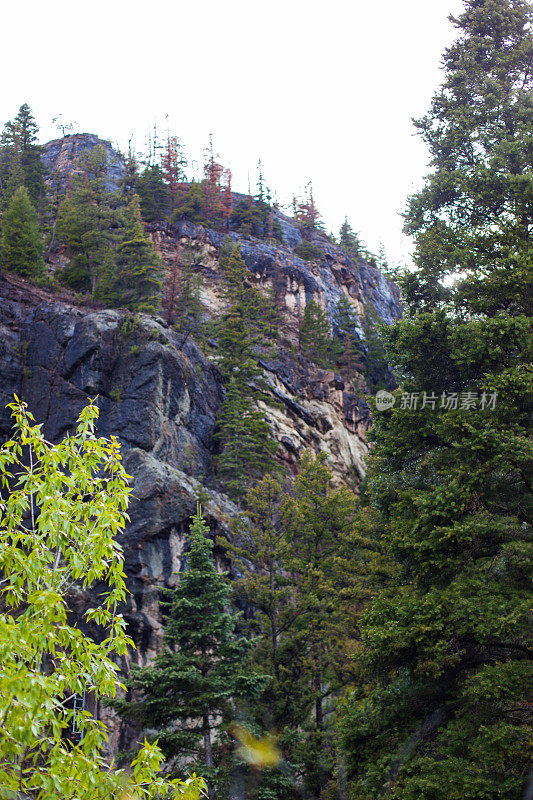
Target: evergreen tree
x,y
377,372
21,245
131,175
154,194
20,158
347,321
137,277
189,693
86,227
192,204
262,552
324,551
349,240
213,171
315,338
294,551
441,709
247,446
174,164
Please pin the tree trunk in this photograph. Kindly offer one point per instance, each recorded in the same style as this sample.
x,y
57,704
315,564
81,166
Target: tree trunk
x,y
208,752
319,714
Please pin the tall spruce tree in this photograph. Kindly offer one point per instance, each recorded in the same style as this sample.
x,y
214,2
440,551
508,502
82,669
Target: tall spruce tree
x,y
295,550
20,158
137,276
243,328
349,240
21,244
324,551
315,337
261,548
443,708
86,227
189,694
154,193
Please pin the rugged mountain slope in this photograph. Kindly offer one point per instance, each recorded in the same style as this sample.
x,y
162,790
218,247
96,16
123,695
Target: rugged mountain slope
x,y
160,394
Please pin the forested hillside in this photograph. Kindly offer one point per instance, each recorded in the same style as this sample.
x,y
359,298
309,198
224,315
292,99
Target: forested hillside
x,y
297,561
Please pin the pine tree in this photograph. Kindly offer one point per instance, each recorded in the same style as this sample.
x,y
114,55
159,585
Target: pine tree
x,y
213,172
306,212
243,328
315,338
349,240
377,372
21,245
323,553
20,158
137,276
262,558
189,693
248,448
349,348
174,164
442,706
85,227
154,194
131,175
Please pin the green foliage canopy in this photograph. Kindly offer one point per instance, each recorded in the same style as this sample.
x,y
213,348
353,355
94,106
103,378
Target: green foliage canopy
x,y
61,507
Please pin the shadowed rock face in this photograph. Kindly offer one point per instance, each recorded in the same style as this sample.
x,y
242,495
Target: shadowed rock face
x,y
159,397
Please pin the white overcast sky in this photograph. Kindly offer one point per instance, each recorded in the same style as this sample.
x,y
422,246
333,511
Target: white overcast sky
x,y
320,91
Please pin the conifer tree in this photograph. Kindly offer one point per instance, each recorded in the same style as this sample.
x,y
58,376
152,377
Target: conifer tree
x,y
349,240
213,172
262,551
154,193
137,275
349,346
441,709
315,339
85,227
131,175
20,158
247,447
190,691
173,170
323,553
21,245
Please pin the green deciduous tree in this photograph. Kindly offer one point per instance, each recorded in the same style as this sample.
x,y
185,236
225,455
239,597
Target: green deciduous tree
x,y
189,693
442,709
21,244
61,507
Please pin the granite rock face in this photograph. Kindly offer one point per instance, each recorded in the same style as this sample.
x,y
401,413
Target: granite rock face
x,y
160,394
61,158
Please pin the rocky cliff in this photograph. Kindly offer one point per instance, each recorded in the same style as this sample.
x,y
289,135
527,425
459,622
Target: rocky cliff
x,y
160,394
